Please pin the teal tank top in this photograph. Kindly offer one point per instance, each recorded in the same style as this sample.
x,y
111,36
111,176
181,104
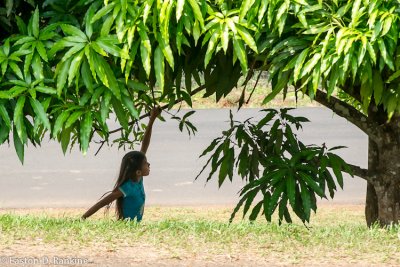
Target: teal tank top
x,y
133,199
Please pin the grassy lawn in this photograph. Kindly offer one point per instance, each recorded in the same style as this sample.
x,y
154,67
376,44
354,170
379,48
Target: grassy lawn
x,y
337,235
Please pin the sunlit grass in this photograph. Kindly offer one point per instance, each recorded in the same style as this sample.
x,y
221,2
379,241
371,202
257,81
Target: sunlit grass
x,y
335,234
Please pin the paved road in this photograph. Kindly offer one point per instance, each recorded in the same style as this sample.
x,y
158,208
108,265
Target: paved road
x,y
50,179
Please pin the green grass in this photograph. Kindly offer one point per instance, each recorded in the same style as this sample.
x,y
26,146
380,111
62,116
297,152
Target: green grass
x,y
334,235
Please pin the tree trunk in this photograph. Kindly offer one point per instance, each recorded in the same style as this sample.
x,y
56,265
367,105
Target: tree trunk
x,y
388,194
371,205
383,191
371,202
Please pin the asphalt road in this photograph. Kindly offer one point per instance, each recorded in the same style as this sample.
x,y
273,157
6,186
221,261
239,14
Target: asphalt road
x,y
50,179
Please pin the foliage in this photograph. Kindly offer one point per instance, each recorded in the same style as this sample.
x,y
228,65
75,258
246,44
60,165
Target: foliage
x,y
81,57
275,164
67,65
346,45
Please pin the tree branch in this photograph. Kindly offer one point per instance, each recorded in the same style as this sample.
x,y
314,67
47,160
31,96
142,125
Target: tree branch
x,y
360,172
348,112
197,90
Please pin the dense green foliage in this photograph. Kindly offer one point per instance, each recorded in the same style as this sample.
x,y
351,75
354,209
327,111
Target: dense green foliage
x,y
275,164
66,65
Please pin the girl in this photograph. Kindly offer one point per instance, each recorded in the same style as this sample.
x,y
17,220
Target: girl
x,y
128,190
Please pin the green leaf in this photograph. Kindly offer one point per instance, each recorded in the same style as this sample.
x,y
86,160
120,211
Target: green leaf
x,y
105,106
145,51
311,183
73,118
273,202
75,49
310,64
159,67
4,115
355,10
4,132
16,69
225,37
85,131
262,9
197,12
62,75
102,12
179,8
384,54
18,145
245,7
37,67
378,86
212,43
247,38
107,76
255,211
90,57
240,52
109,47
87,76
371,52
291,189
106,28
335,163
299,64
74,31
393,77
59,46
65,139
20,24
59,122
121,115
249,199
166,49
35,23
306,200
39,111
19,119
128,103
88,17
42,51
74,67
387,25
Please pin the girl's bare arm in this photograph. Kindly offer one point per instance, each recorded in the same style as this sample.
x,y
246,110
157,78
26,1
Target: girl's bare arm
x,y
147,134
105,201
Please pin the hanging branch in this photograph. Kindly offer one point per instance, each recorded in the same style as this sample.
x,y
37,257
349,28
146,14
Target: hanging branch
x,y
197,90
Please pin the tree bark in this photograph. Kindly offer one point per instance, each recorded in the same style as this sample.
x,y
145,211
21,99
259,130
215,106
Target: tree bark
x,y
371,205
371,202
383,190
388,195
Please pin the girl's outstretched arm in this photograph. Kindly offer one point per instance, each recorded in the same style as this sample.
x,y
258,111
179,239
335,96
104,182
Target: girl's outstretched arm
x,y
147,134
105,201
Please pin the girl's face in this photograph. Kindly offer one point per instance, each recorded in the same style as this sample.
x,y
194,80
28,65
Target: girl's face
x,y
145,167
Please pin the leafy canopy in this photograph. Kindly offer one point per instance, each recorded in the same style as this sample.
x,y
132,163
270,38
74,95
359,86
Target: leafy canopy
x,y
66,65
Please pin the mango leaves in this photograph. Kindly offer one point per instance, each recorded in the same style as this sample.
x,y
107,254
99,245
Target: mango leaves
x,y
276,165
338,45
71,59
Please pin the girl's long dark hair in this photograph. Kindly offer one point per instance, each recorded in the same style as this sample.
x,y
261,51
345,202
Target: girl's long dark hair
x,y
131,162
